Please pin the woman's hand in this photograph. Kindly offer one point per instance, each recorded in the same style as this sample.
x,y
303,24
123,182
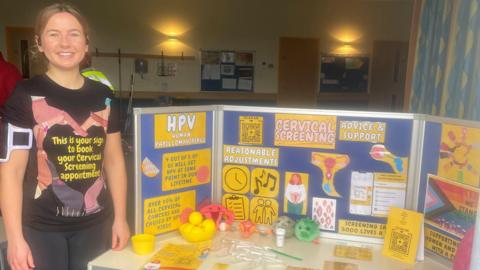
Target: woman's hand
x,y
120,234
19,255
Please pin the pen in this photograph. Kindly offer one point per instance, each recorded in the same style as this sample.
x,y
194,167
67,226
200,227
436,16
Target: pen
x,y
285,254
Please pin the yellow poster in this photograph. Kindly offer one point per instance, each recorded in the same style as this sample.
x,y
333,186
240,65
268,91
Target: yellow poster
x,y
236,179
186,169
238,204
361,228
265,182
251,130
460,154
310,131
180,129
162,214
249,155
263,211
362,131
296,193
402,237
440,243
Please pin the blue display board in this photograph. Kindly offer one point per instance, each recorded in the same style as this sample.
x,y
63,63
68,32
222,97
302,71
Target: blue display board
x,y
176,167
342,171
449,184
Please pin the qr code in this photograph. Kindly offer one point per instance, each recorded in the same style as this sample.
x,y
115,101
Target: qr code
x,y
400,241
251,130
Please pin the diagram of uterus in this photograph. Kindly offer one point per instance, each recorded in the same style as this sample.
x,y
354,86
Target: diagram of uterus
x,y
329,164
381,153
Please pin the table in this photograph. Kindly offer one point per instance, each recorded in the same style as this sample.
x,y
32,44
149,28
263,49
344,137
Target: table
x,y
313,255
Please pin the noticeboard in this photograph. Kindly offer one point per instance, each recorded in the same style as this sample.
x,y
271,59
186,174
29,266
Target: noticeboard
x,y
342,171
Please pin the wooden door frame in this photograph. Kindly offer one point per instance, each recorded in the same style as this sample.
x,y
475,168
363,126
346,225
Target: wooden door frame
x,y
9,30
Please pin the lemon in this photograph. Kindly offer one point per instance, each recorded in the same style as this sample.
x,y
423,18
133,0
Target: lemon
x,y
195,218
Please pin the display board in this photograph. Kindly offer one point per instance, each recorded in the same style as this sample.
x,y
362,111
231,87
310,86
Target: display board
x,y
343,171
450,183
173,165
227,70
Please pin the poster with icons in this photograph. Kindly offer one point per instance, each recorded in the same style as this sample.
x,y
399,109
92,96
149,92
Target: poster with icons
x,y
176,167
344,172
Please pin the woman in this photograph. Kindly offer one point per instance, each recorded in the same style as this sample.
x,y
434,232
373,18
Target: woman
x,y
55,203
296,194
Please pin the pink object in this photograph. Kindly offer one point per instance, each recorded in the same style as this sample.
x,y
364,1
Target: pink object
x,y
203,172
247,228
218,213
463,256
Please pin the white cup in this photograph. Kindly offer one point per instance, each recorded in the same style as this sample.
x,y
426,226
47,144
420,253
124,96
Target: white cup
x,y
280,236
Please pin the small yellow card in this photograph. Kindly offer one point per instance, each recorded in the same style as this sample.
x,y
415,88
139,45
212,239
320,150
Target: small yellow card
x,y
328,265
351,252
402,236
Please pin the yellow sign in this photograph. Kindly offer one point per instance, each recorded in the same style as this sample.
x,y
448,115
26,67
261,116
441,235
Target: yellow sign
x,y
180,129
460,154
329,265
238,204
162,214
185,169
402,237
440,243
311,131
361,228
362,131
296,193
265,182
263,211
251,130
352,252
236,179
249,155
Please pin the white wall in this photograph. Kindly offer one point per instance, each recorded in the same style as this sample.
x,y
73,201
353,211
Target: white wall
x,y
220,24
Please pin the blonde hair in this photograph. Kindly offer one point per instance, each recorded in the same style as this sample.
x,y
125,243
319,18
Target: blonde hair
x,y
46,13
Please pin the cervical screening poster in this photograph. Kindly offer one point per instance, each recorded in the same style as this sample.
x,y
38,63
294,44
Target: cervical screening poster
x,y
345,172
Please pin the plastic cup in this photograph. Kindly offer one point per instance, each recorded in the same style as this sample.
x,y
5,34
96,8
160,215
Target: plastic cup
x,y
143,243
280,236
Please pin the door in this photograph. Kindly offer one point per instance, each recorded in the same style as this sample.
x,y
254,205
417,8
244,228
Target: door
x,y
20,42
389,66
298,72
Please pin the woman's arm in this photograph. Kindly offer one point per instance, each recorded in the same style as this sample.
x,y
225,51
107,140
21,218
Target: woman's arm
x,y
11,194
114,163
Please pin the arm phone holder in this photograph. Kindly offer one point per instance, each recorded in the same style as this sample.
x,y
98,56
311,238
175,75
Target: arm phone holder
x,y
13,138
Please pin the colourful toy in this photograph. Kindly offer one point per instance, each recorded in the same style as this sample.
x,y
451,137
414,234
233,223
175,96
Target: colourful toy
x,y
286,223
329,164
218,213
197,228
306,230
247,228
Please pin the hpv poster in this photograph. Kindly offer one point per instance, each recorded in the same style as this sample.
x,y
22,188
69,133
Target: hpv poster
x,y
176,166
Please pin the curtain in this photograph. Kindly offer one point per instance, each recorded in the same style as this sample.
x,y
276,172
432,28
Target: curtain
x,y
447,60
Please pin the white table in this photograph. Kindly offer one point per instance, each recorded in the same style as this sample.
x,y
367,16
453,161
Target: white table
x,y
313,256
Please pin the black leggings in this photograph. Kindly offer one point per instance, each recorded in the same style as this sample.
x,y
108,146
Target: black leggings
x,y
68,250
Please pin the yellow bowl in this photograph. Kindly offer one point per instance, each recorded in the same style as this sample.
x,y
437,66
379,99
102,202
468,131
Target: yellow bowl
x,y
143,243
